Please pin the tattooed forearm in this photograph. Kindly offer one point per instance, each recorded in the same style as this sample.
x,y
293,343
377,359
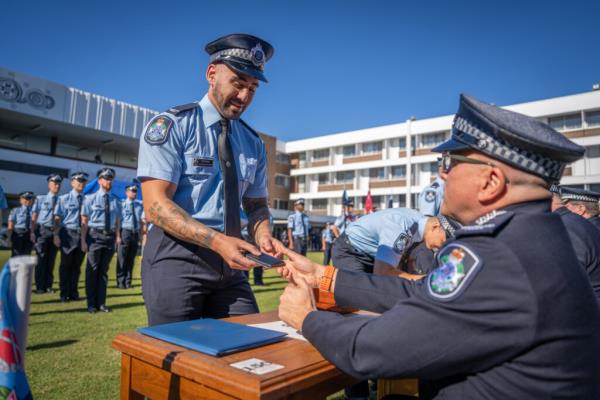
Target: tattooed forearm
x,y
258,214
172,219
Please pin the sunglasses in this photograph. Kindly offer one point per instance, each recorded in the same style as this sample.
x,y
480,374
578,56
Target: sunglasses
x,y
449,161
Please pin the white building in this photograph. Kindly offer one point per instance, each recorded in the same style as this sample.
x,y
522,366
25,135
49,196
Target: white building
x,y
380,160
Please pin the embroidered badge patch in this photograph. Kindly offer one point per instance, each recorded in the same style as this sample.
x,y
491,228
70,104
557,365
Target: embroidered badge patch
x,y
402,241
457,264
429,196
158,130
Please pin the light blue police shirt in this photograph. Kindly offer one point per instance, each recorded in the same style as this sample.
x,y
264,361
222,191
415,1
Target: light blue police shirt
x,y
299,224
67,208
3,203
127,221
326,234
390,227
186,153
430,199
343,221
18,216
93,208
43,208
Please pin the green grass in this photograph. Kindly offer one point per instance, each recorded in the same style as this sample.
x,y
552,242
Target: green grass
x,y
68,353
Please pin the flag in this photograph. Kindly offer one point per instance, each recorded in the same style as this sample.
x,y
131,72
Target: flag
x,y
13,381
369,203
344,198
391,202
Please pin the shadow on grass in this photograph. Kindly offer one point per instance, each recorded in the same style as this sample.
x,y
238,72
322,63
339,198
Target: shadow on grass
x,y
84,309
51,345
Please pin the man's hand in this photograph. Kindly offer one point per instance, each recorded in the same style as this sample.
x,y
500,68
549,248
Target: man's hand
x,y
296,302
56,240
301,267
271,246
232,250
119,241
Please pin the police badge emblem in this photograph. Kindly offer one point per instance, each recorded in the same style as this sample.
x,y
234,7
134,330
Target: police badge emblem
x,y
258,55
157,131
429,196
457,265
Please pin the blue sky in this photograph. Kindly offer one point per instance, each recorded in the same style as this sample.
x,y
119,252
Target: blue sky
x,y
338,65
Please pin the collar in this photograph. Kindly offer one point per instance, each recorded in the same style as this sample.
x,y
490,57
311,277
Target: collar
x,y
76,193
535,206
100,190
210,115
50,194
562,211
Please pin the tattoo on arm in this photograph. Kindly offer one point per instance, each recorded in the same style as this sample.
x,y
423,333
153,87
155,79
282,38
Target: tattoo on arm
x,y
172,219
258,214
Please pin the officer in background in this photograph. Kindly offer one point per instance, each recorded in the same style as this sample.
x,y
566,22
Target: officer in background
x,y
68,209
132,230
342,222
298,228
3,203
430,199
198,163
327,241
44,233
585,238
19,226
582,202
100,230
508,313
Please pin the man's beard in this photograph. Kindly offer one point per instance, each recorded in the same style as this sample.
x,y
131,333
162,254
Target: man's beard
x,y
222,105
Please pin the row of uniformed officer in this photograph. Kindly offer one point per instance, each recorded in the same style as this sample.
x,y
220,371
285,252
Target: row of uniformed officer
x,y
298,228
132,230
508,312
19,226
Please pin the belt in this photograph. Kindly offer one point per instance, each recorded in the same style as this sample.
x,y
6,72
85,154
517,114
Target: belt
x,y
21,230
103,231
131,230
48,228
300,237
76,230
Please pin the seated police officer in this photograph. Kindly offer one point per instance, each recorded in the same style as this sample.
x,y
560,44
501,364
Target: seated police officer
x,y
132,230
19,226
68,209
100,231
45,234
197,163
507,314
582,202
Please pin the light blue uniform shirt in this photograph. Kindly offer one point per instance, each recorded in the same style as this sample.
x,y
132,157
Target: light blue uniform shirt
x,y
343,221
3,203
127,221
326,234
299,224
18,216
393,227
67,208
43,208
93,208
188,157
430,199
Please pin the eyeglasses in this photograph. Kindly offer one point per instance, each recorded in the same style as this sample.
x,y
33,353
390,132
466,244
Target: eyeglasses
x,y
450,160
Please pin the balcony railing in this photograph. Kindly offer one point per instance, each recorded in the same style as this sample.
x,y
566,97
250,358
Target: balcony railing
x,y
369,157
335,186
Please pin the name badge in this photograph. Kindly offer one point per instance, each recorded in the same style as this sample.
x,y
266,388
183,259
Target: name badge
x,y
202,162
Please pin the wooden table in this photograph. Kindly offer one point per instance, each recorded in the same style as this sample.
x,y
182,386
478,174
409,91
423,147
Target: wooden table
x,y
160,370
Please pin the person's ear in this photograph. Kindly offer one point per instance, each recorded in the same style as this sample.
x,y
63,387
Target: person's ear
x,y
211,75
493,184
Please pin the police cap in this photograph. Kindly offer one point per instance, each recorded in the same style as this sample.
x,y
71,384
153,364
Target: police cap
x,y
80,176
299,201
132,187
106,173
54,178
27,195
244,53
516,139
568,193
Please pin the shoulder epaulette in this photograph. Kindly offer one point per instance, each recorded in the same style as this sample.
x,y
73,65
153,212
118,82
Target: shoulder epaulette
x,y
488,224
179,109
249,128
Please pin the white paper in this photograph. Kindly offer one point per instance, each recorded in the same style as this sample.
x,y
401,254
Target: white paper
x,y
256,366
21,276
281,326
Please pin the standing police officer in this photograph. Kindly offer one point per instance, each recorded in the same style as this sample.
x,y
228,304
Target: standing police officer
x,y
3,203
327,241
508,313
132,230
430,199
100,230
298,228
342,222
68,209
197,163
19,225
44,233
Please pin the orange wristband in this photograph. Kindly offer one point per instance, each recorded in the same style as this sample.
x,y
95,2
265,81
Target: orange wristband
x,y
327,279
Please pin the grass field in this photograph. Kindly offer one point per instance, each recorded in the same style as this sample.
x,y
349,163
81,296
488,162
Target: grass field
x,y
69,355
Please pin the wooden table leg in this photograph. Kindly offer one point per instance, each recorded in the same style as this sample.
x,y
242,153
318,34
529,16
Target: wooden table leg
x,y
126,392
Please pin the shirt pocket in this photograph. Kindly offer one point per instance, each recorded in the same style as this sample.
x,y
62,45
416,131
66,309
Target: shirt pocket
x,y
199,167
248,170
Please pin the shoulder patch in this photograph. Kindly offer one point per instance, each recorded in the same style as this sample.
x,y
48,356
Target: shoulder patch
x,y
429,196
435,185
488,224
457,265
179,109
158,130
249,128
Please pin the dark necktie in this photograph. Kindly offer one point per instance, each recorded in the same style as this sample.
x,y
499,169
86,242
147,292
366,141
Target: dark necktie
x,y
133,216
230,184
54,198
106,212
80,202
27,217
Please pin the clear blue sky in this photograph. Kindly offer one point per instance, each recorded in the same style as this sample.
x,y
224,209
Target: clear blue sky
x,y
338,65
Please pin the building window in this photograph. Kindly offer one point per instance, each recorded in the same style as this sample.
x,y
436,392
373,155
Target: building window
x,y
563,122
281,204
302,156
399,171
344,176
282,181
377,173
432,139
592,152
323,179
320,154
402,143
282,158
349,151
592,118
319,204
373,147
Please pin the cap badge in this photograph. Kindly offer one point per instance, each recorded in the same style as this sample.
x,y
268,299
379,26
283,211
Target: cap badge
x,y
258,55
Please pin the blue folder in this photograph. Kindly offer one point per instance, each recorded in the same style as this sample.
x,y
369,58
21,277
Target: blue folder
x,y
213,336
